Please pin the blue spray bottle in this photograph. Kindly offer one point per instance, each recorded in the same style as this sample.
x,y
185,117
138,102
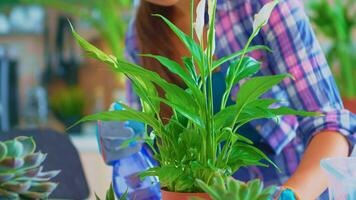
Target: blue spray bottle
x,y
129,160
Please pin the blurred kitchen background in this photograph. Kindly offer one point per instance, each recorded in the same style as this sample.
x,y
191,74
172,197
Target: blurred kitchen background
x,y
46,81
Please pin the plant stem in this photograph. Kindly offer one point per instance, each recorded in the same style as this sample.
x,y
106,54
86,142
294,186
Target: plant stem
x,y
203,133
228,91
205,112
210,46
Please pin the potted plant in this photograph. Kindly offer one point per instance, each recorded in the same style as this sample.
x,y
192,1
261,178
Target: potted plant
x,y
68,105
337,21
196,144
21,175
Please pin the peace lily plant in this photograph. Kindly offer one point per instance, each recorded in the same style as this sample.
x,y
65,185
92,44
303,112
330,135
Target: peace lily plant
x,y
196,143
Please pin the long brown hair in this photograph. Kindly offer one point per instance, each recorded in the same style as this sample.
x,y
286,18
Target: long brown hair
x,y
154,37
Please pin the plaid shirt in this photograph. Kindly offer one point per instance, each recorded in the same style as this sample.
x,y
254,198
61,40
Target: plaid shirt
x,y
295,51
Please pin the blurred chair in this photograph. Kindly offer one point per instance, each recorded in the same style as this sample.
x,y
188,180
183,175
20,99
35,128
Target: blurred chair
x,y
8,91
62,155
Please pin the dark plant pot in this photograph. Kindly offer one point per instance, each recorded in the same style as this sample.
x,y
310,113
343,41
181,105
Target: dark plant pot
x,y
166,195
350,103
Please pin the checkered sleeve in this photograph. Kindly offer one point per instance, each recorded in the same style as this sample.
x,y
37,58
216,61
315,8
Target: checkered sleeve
x,y
297,51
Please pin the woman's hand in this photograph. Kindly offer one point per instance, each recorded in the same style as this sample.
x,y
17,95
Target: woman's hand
x,y
309,181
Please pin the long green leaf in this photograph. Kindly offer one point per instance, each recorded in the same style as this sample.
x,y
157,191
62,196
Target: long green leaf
x,y
172,66
188,63
192,46
225,117
129,69
172,92
145,89
247,155
188,112
110,194
124,196
248,67
122,115
237,54
256,87
260,109
175,68
257,109
290,111
91,49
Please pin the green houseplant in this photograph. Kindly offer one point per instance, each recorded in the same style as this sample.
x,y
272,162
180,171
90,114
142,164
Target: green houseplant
x,y
196,143
21,175
337,21
68,105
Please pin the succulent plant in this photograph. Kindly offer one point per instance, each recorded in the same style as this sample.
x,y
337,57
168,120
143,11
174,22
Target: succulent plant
x,y
21,175
232,189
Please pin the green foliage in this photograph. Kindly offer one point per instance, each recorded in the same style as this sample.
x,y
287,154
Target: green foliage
x,y
6,3
68,102
21,175
110,195
229,188
196,143
109,17
337,21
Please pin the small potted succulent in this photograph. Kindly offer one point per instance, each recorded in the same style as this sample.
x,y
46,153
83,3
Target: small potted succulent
x,y
21,175
196,143
230,188
337,22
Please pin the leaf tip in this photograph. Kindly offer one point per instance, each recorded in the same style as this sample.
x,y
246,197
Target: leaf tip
x,y
291,76
156,15
71,25
73,125
319,114
144,55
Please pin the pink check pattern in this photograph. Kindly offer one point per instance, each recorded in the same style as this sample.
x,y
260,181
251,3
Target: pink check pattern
x,y
295,51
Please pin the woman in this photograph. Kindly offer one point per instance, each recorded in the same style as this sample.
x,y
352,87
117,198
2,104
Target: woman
x,y
295,51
